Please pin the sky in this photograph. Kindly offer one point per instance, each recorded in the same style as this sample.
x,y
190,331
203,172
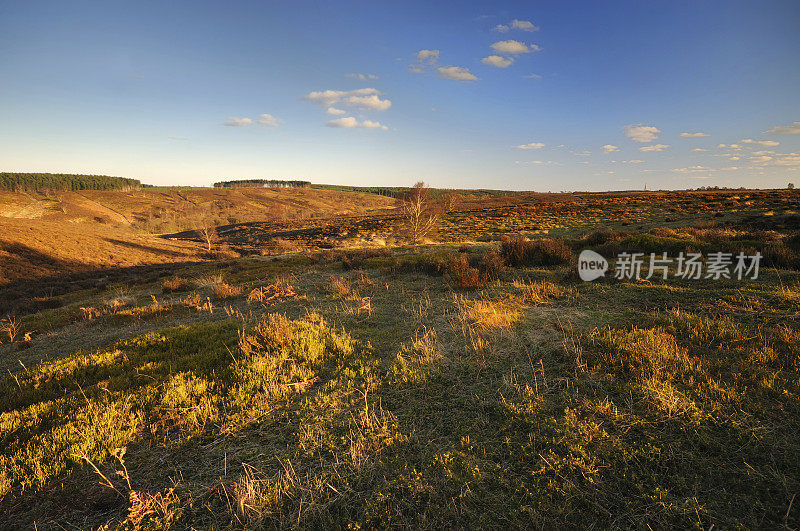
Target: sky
x,y
544,96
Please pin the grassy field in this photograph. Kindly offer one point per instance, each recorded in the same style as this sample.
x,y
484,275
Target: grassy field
x,y
471,381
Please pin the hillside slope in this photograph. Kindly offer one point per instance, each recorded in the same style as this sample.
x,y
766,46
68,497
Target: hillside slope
x,y
63,232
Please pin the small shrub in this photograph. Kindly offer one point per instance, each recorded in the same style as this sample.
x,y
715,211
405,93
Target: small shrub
x,y
175,284
778,255
223,290
599,237
546,252
462,274
492,265
272,332
339,286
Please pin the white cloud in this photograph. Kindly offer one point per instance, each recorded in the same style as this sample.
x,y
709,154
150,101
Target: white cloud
x,y
496,60
793,129
654,147
366,98
790,160
632,161
362,77
584,153
268,120
373,102
335,112
699,149
692,169
694,135
513,47
428,56
735,147
641,133
538,162
524,25
425,59
763,158
238,122
765,143
608,148
349,122
457,73
532,145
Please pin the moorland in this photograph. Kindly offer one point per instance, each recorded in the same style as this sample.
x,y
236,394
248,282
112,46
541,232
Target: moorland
x,y
256,357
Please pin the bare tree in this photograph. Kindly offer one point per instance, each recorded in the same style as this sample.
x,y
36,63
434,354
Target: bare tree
x,y
11,326
420,216
451,200
208,232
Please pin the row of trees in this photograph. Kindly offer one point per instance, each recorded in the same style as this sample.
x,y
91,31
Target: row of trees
x,y
37,182
262,183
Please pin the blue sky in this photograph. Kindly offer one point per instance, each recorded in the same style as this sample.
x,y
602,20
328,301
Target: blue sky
x,y
544,96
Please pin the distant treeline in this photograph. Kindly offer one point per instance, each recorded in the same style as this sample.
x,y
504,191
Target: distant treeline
x,y
34,182
262,183
400,191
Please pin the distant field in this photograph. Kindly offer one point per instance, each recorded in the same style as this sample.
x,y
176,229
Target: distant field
x,y
318,371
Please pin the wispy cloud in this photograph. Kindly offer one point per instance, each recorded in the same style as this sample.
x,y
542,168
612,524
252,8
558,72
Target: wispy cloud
x,y
793,129
497,61
641,133
457,73
263,119
654,147
428,56
524,25
765,143
268,120
513,47
366,98
362,77
532,145
425,59
692,169
608,148
335,112
349,122
238,122
694,135
532,76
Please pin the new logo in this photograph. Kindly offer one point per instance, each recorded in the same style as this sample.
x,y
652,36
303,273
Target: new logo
x,y
591,265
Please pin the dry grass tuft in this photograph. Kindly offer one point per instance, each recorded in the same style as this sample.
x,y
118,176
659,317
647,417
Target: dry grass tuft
x,y
175,284
538,292
224,290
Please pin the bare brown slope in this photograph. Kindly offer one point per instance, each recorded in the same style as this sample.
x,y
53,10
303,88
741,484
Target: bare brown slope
x,y
63,232
33,248
168,209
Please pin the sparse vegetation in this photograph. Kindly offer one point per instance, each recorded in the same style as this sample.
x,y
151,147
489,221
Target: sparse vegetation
x,y
467,383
